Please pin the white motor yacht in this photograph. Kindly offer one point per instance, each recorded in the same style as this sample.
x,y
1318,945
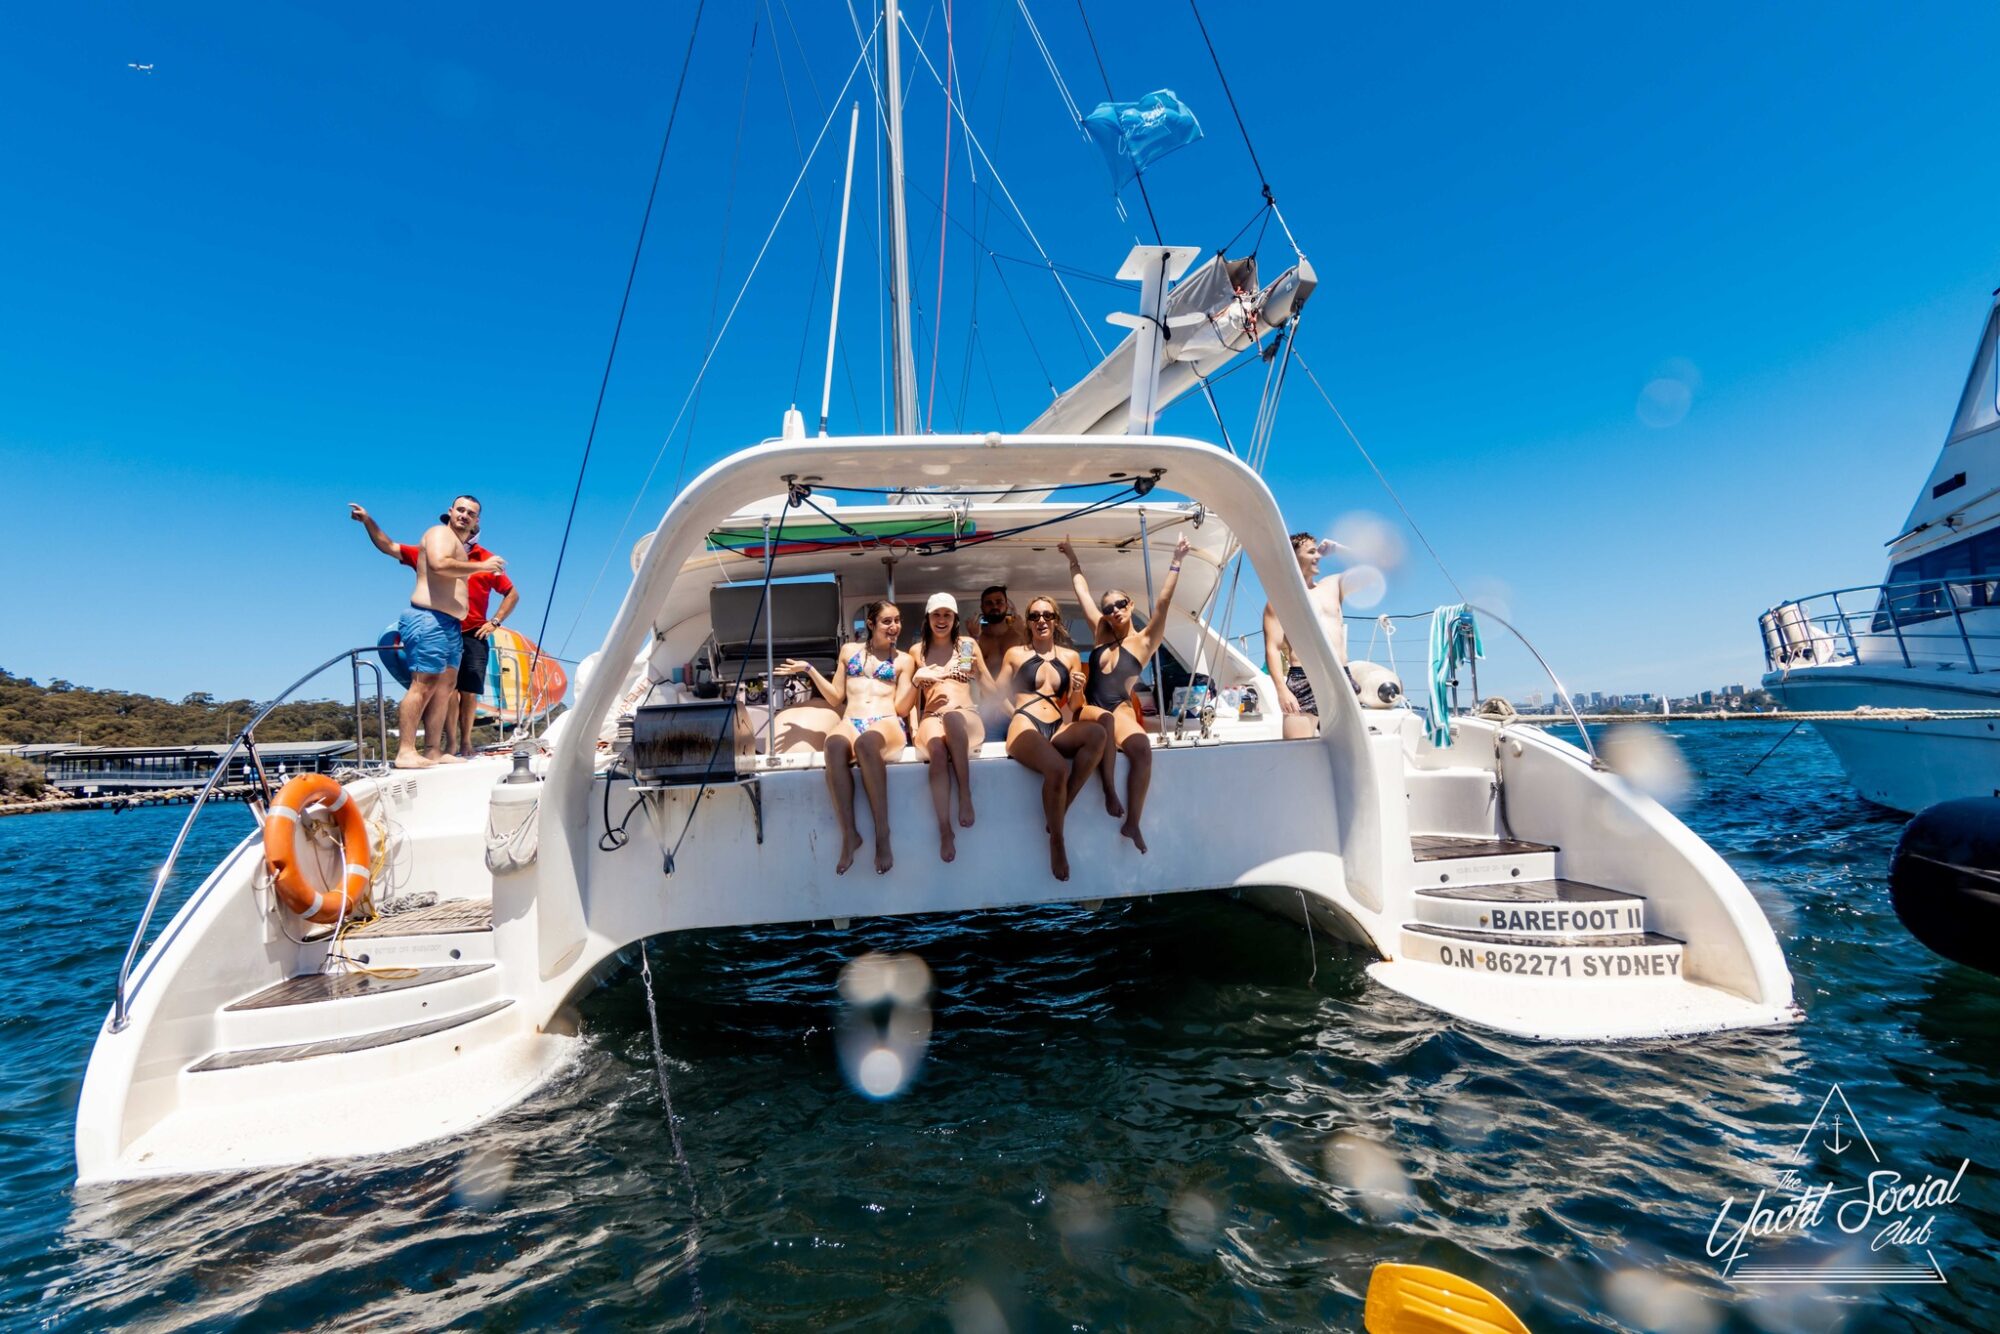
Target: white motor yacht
x,y
1924,644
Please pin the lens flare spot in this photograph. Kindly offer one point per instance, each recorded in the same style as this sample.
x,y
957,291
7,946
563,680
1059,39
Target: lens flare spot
x,y
1364,537
1370,1171
1646,759
880,1073
1362,586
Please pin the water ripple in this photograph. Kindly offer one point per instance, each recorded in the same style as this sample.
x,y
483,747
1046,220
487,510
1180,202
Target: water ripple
x,y
1170,1114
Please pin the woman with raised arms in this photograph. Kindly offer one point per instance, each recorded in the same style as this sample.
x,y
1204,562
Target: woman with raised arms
x,y
873,690
945,665
1043,732
1119,655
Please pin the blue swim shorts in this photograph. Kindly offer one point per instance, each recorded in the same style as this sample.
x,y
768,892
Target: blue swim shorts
x,y
430,640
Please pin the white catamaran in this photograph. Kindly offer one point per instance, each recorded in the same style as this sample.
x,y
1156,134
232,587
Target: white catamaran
x,y
1492,872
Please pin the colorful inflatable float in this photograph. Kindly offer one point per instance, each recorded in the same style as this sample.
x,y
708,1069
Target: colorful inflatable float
x,y
512,696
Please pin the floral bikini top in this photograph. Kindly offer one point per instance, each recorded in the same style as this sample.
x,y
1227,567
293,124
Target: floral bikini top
x,y
884,671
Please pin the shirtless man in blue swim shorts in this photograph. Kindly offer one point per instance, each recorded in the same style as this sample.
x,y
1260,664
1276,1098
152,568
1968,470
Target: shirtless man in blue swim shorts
x,y
430,632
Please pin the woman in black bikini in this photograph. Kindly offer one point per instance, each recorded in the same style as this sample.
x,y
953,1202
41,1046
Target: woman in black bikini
x,y
1041,676
1116,660
873,689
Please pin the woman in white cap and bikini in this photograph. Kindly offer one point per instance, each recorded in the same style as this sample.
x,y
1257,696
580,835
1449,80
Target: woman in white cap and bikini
x,y
946,663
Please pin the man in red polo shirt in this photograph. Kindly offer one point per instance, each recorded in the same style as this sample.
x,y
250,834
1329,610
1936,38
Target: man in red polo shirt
x,y
476,628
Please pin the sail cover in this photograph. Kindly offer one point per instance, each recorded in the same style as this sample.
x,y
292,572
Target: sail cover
x,y
1236,315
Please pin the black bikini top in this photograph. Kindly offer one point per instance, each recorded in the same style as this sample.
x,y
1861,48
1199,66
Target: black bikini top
x,y
1027,678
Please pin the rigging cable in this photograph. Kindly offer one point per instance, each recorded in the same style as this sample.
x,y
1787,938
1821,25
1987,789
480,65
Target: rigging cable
x,y
1407,516
1263,182
722,251
673,112
944,233
714,345
965,127
1138,176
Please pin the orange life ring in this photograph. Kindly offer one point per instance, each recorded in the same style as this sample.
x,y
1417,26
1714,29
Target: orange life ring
x,y
281,827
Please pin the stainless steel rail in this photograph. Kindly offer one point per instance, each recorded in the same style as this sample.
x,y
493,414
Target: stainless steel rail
x,y
1821,630
121,1004
1562,692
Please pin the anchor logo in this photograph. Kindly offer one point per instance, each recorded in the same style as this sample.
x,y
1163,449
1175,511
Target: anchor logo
x,y
1834,1143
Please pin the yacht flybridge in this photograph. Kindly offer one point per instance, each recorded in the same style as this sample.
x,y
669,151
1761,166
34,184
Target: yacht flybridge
x,y
1920,650
1502,878
1491,872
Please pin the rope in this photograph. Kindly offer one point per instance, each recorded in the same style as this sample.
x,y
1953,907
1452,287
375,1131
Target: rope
x,y
1407,516
632,273
674,1133
1773,750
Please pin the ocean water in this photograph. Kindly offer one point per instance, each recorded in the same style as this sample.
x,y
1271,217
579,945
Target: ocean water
x,y
1178,1114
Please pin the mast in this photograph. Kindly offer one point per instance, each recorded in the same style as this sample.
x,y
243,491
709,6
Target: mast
x,y
905,362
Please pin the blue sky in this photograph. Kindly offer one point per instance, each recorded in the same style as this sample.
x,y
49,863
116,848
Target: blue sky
x,y
320,255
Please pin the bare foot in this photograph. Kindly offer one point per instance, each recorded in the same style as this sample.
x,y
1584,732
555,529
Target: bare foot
x,y
1112,806
947,845
884,858
850,843
413,762
964,812
1058,858
451,759
1131,830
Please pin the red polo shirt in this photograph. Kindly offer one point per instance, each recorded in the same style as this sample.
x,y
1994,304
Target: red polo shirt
x,y
479,589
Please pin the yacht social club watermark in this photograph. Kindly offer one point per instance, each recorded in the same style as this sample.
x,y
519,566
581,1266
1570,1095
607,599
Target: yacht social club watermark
x,y
1835,1186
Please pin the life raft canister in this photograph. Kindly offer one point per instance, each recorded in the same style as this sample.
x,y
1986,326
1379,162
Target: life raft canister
x,y
281,829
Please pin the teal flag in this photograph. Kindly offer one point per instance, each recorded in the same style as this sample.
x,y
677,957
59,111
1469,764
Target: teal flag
x,y
1134,135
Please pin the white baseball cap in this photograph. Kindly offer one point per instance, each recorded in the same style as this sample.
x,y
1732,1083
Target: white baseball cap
x,y
941,602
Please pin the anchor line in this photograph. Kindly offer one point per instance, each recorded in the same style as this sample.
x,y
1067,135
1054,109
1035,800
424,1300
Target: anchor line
x,y
674,1134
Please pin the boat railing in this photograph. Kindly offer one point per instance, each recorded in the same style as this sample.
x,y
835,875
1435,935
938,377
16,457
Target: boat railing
x,y
245,741
1917,622
1388,620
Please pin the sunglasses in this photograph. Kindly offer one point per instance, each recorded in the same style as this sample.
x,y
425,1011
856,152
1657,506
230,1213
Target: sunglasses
x,y
1042,616
1120,605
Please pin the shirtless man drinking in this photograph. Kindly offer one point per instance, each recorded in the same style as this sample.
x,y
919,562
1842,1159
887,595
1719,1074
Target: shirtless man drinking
x,y
1294,690
430,632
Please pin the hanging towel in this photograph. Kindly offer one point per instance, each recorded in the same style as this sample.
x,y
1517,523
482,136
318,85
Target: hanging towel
x,y
1448,649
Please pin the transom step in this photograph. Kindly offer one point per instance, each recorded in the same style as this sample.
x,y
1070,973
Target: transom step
x,y
448,918
1450,847
1588,958
300,1051
315,988
1532,908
